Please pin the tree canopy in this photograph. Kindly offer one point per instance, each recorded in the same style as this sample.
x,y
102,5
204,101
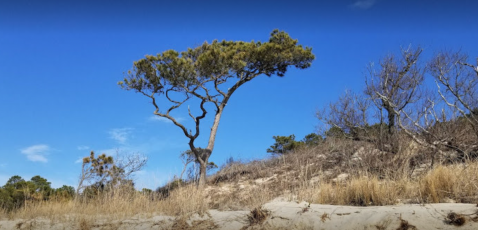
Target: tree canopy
x,y
218,61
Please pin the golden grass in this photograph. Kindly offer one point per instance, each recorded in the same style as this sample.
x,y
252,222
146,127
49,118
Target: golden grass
x,y
361,191
182,202
458,183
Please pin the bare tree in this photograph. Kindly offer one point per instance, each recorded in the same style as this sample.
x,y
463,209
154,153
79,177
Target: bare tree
x,y
457,83
187,159
395,85
448,120
129,163
349,114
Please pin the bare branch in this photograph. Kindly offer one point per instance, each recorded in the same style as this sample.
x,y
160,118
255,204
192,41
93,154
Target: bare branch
x,y
451,71
130,163
416,138
349,114
395,86
191,115
156,112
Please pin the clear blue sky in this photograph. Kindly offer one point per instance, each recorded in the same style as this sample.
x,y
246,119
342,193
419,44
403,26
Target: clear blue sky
x,y
60,62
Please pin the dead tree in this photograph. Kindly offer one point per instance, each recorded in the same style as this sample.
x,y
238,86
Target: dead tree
x,y
394,86
457,84
348,114
449,120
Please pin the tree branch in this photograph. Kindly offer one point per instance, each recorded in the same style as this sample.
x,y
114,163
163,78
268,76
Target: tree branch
x,y
156,112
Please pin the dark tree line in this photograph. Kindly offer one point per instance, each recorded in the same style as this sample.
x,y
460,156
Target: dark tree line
x,y
17,191
287,144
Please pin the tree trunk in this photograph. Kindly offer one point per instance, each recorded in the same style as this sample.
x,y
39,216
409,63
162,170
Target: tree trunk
x,y
202,175
391,130
203,160
215,125
391,122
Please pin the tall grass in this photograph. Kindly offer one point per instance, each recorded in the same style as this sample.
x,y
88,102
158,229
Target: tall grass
x,y
444,183
457,182
361,191
119,205
309,174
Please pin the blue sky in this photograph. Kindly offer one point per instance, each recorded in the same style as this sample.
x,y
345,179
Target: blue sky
x,y
60,62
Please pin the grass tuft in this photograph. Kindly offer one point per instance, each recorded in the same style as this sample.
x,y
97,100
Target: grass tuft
x,y
404,225
455,219
258,215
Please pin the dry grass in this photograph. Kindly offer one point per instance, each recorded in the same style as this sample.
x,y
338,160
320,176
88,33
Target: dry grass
x,y
458,182
324,217
377,178
360,191
441,184
182,202
258,215
310,174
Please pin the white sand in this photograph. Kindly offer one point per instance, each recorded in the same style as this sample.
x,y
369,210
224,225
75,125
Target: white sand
x,y
430,216
292,215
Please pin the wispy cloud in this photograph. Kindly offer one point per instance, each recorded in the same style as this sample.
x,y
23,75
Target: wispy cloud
x,y
163,119
37,153
79,160
112,151
120,135
140,173
83,147
363,4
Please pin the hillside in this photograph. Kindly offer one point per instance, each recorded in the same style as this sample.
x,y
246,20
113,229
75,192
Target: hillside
x,y
309,188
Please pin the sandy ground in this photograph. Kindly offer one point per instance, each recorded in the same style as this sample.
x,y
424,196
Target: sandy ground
x,y
287,215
